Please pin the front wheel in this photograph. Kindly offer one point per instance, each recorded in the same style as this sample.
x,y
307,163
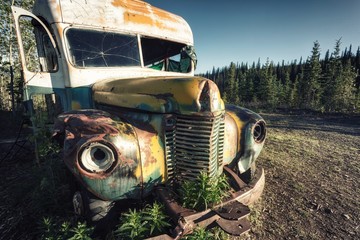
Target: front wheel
x,y
88,206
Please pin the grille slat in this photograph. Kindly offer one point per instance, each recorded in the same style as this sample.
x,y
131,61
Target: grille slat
x,y
194,135
184,165
192,138
190,126
193,145
193,158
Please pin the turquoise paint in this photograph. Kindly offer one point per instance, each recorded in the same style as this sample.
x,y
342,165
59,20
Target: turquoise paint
x,y
81,95
115,187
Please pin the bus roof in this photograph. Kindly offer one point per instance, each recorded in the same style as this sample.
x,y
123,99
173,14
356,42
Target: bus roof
x,y
132,16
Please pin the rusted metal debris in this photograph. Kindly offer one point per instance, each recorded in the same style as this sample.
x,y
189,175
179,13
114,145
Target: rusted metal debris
x,y
230,215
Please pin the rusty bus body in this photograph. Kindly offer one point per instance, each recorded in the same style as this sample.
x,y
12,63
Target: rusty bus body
x,y
132,116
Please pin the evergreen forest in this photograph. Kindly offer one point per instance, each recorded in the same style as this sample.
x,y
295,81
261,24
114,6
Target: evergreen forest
x,y
331,84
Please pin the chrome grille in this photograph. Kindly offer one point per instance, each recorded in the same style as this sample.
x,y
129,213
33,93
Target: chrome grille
x,y
193,145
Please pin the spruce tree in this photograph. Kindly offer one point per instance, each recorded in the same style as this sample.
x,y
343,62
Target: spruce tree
x,y
231,86
332,76
345,95
249,85
309,87
267,88
287,89
242,90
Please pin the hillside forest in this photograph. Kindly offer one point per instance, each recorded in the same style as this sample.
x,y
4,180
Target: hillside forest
x,y
331,84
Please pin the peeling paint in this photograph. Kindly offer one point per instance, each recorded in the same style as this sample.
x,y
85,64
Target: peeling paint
x,y
84,127
154,126
162,95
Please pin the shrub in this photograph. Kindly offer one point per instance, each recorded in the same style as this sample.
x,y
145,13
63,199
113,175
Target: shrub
x,y
146,222
56,230
132,225
204,192
156,219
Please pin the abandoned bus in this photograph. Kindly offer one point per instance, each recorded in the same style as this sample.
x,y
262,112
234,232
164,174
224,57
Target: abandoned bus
x,y
131,116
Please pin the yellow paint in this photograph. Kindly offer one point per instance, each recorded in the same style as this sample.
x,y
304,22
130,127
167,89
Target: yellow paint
x,y
152,155
186,92
146,20
240,126
158,154
142,13
144,8
231,137
155,92
154,163
138,171
139,6
75,105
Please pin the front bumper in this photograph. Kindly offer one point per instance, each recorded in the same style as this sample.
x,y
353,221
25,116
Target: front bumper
x,y
223,214
247,194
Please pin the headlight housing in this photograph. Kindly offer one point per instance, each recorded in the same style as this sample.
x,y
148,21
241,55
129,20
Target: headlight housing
x,y
259,131
97,157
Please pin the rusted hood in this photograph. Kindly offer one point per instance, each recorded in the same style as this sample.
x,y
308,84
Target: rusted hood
x,y
184,95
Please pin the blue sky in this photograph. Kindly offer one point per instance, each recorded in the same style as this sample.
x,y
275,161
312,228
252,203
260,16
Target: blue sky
x,y
244,31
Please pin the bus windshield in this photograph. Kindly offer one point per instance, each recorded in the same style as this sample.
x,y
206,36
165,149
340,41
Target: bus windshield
x,y
90,48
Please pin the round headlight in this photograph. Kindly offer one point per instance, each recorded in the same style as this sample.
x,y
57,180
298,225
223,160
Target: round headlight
x,y
97,157
259,131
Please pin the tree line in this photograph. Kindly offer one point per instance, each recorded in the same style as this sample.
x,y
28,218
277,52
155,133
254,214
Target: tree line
x,y
331,84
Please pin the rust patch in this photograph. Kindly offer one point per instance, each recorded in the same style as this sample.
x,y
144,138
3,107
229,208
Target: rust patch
x,y
163,14
147,146
145,19
87,126
137,18
209,98
142,13
78,128
142,7
118,3
130,4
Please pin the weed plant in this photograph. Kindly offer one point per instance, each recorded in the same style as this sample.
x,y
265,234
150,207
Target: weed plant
x,y
56,230
200,234
132,226
139,224
207,234
155,217
204,192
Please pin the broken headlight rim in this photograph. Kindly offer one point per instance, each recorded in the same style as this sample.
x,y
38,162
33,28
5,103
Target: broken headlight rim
x,y
259,131
97,157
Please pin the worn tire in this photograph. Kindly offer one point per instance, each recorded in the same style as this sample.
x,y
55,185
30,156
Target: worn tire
x,y
90,207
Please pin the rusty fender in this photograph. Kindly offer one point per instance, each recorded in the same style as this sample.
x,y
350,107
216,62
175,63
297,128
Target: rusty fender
x,y
96,134
248,130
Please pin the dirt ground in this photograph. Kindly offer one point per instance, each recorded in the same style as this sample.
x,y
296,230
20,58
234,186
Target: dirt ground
x,y
312,166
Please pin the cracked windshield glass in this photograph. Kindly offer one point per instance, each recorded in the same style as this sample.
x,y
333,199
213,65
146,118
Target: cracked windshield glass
x,y
90,48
